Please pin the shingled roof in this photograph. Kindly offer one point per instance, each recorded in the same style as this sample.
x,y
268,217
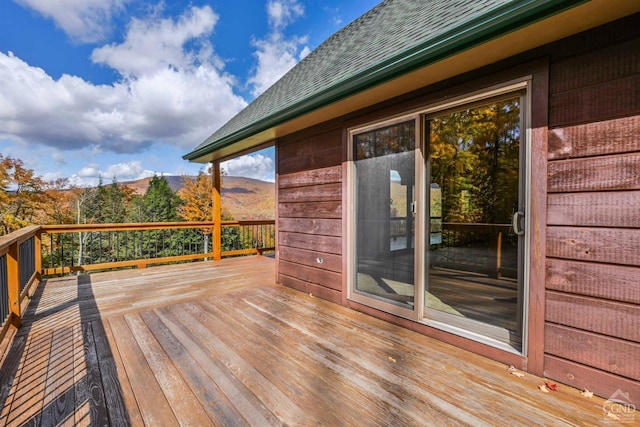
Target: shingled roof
x,y
393,38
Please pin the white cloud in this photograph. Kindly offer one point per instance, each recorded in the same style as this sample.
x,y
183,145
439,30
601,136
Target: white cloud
x,y
83,20
156,44
171,95
277,54
91,173
255,166
283,12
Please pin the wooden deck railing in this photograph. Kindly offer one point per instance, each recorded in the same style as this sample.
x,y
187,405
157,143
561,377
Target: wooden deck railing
x,y
87,247
32,252
20,269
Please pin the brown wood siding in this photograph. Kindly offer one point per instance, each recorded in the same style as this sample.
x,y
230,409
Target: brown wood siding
x,y
310,212
592,302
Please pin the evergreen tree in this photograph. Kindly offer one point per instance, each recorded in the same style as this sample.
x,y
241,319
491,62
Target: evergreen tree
x,y
160,202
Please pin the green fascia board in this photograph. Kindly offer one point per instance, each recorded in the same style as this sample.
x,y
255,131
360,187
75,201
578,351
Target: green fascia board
x,y
481,29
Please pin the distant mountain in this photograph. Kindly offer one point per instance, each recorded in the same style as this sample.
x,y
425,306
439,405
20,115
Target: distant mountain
x,y
243,198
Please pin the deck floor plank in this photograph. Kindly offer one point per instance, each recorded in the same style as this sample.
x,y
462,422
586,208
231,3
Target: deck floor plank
x,y
206,388
90,399
29,391
116,385
185,406
283,366
323,378
59,395
221,344
152,403
261,388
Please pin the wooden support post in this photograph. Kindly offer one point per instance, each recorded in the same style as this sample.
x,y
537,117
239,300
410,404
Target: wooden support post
x,y
216,241
13,276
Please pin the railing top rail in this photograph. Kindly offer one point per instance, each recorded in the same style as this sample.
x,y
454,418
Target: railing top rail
x,y
134,226
475,224
72,228
17,236
249,222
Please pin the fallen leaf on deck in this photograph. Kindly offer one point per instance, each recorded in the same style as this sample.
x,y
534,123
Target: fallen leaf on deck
x,y
392,359
551,386
613,416
543,388
513,371
586,393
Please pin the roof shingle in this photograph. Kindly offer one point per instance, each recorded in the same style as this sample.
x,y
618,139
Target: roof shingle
x,y
380,37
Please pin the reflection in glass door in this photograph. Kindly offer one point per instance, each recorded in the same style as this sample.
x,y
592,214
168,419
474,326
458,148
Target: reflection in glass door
x,y
384,160
475,220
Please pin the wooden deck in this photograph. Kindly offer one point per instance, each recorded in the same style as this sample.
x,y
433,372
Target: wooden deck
x,y
221,344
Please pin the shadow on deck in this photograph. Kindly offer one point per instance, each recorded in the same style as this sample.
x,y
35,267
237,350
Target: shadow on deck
x,y
221,344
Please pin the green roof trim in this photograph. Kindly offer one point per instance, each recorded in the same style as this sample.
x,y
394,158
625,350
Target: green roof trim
x,y
456,27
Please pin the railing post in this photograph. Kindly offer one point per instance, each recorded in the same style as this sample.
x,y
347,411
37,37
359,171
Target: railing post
x,y
216,242
37,247
13,277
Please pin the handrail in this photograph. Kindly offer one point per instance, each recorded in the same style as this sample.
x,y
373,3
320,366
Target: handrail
x,y
20,272
137,226
17,236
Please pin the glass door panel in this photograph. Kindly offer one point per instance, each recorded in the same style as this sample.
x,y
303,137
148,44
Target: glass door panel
x,y
384,161
474,252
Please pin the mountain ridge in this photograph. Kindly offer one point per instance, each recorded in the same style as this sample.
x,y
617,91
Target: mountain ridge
x,y
242,198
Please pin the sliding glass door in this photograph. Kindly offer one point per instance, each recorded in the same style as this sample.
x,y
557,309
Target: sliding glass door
x,y
438,224
384,160
475,250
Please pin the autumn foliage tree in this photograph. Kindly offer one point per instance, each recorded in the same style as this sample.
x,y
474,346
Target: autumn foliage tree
x,y
21,195
196,195
197,201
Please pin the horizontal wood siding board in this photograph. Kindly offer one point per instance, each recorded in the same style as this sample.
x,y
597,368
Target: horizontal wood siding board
x,y
595,67
325,227
328,279
616,98
606,281
598,209
616,319
325,244
315,193
318,151
320,260
327,175
331,209
329,157
310,141
618,172
598,351
581,377
605,245
313,289
592,139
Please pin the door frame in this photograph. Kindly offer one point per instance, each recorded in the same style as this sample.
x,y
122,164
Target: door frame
x,y
525,82
352,293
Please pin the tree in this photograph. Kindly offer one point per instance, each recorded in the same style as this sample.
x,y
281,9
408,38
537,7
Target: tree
x,y
21,195
197,200
160,202
60,206
197,203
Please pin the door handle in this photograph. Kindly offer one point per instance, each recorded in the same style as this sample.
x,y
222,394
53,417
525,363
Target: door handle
x,y
516,223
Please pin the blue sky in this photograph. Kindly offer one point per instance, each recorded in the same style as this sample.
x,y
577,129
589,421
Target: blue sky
x,y
124,88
